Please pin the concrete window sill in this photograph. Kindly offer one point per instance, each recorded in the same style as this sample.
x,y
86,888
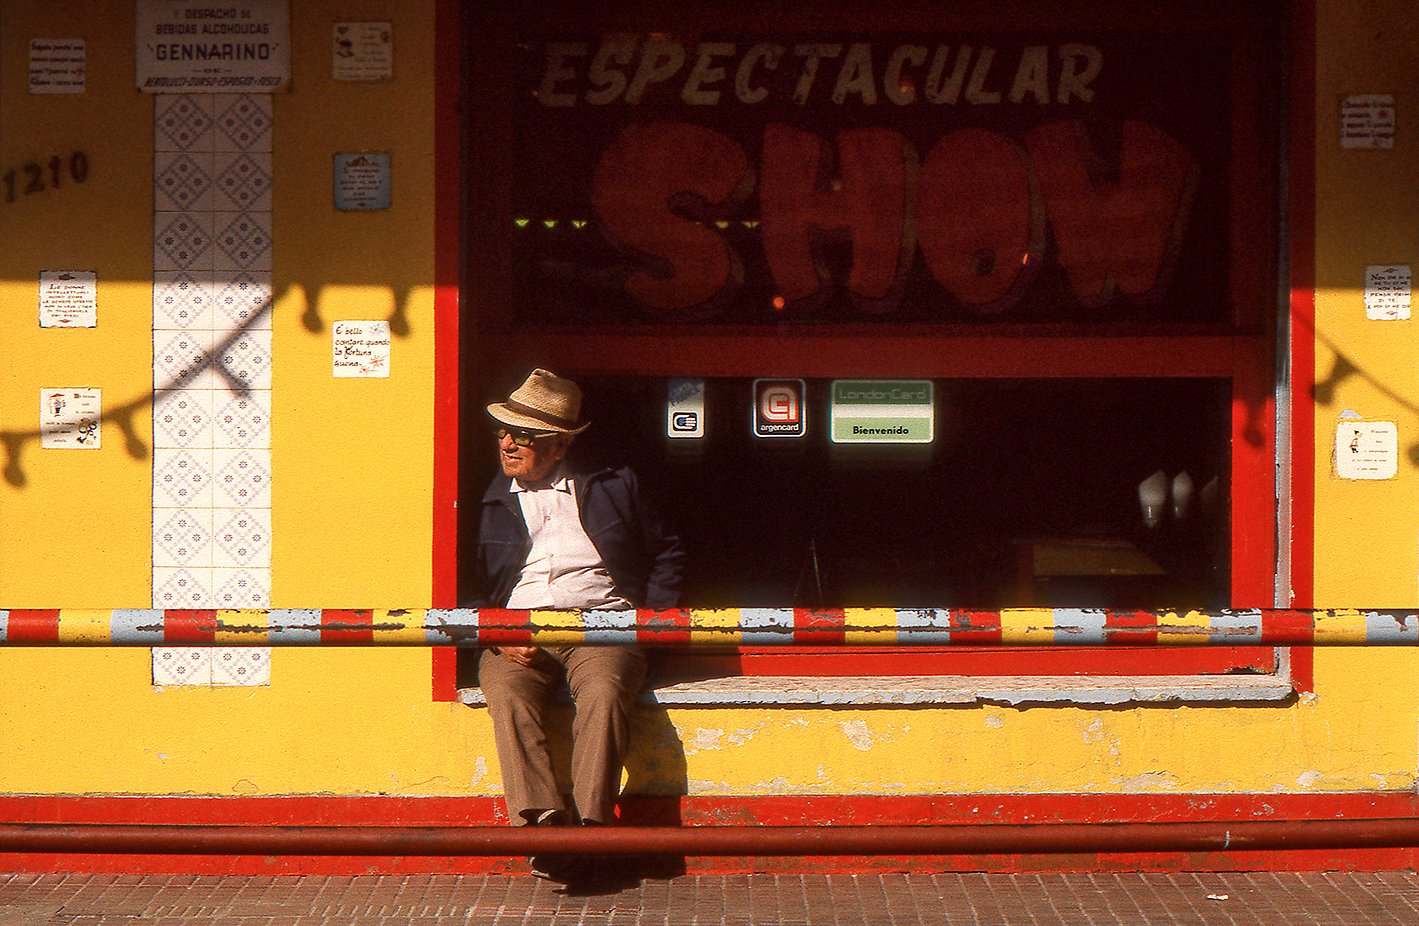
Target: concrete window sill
x,y
907,691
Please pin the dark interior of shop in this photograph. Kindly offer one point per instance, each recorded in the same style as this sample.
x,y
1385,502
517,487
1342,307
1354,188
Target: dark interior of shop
x,y
1029,494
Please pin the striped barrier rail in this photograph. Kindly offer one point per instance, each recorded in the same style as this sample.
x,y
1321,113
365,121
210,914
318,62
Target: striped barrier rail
x,y
715,627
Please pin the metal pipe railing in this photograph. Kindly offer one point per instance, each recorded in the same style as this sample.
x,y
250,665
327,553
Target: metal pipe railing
x,y
712,627
952,839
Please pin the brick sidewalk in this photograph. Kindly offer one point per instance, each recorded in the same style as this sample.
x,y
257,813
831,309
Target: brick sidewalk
x,y
1229,899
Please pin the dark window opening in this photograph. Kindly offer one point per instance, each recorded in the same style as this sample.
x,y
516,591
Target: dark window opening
x,y
1028,495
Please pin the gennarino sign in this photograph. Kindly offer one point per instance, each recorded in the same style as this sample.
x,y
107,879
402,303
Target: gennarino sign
x,y
868,411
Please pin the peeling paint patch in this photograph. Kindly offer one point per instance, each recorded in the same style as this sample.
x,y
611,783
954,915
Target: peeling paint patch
x,y
480,771
741,736
858,734
1149,781
703,740
1308,779
1094,731
994,722
246,786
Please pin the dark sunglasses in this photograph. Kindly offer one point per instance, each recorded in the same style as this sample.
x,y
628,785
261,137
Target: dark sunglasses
x,y
524,438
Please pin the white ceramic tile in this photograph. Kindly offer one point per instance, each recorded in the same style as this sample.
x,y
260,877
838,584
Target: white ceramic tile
x,y
182,299
182,478
182,665
243,478
182,122
243,420
242,181
246,356
182,537
183,360
183,419
243,122
241,299
182,587
183,181
241,538
183,241
241,665
242,241
242,588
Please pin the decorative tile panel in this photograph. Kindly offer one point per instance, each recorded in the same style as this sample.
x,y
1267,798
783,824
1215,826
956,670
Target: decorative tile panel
x,y
182,665
243,478
182,181
182,478
182,537
182,419
242,299
182,299
243,241
242,538
182,588
243,122
182,123
241,665
212,294
241,588
244,421
243,181
183,241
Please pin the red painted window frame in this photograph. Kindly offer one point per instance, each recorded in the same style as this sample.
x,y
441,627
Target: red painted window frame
x,y
1244,352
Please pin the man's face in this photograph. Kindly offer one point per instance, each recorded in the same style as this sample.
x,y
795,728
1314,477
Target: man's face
x,y
530,462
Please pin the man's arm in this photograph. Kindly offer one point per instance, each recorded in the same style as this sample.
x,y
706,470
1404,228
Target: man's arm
x,y
666,553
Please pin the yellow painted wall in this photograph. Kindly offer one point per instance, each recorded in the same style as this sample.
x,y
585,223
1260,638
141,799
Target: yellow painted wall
x,y
352,481
1367,532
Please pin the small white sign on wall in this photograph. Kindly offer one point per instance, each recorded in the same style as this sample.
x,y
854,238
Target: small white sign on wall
x,y
1387,291
362,181
68,299
1366,450
57,65
363,51
69,418
361,349
1367,121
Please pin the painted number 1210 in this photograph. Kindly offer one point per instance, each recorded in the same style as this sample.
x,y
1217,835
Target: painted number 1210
x,y
35,177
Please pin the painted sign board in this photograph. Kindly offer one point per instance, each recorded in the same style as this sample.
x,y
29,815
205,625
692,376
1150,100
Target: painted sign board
x,y
213,46
68,299
1387,292
70,418
1366,450
362,181
57,65
785,178
866,411
779,408
360,349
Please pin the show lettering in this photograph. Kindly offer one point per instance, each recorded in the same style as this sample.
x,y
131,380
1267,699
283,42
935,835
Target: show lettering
x,y
976,207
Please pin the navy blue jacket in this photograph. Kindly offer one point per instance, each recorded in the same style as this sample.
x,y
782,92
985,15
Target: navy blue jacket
x,y
644,558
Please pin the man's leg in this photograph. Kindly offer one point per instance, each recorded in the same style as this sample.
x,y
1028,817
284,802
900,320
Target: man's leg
x,y
516,698
605,682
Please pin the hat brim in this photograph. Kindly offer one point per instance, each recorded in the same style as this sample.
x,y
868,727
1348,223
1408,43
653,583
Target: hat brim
x,y
507,416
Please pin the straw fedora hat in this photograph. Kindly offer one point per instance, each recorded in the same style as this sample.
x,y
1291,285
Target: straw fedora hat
x,y
544,402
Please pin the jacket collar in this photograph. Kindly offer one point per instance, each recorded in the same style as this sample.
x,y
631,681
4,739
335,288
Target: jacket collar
x,y
500,488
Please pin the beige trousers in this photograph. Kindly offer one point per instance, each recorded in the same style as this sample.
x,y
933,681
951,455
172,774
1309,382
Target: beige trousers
x,y
604,682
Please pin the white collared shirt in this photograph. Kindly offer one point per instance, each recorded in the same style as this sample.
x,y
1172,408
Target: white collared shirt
x,y
563,569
